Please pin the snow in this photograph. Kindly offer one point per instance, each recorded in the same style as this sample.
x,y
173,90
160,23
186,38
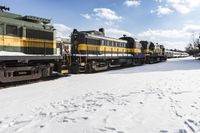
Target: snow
x,y
156,98
6,53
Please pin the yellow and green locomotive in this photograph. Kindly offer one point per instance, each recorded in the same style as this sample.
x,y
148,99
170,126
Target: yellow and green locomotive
x,y
26,34
27,47
153,52
93,51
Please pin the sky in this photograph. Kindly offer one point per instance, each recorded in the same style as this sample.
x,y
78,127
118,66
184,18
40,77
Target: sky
x,y
169,22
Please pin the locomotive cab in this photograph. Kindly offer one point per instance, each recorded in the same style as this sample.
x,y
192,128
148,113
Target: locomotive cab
x,y
136,47
147,47
28,48
133,44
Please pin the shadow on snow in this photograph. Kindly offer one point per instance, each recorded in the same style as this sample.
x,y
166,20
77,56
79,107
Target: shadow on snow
x,y
170,65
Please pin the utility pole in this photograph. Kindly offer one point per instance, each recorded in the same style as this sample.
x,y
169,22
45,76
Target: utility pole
x,y
193,37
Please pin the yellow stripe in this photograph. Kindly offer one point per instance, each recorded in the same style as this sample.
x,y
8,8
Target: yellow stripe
x,y
157,51
89,47
26,42
65,71
147,51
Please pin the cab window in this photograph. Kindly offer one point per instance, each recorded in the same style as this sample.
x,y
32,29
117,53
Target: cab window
x,y
11,30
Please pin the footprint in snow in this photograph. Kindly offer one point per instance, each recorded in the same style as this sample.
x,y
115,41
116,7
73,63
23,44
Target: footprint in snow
x,y
110,128
195,102
67,119
41,126
113,110
102,130
182,131
193,106
142,90
192,121
120,132
189,126
163,131
22,122
136,92
124,96
42,114
105,129
85,118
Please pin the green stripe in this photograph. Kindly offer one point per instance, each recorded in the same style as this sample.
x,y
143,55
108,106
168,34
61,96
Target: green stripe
x,y
28,50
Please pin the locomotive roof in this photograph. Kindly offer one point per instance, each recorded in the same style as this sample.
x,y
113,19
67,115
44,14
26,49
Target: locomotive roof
x,y
107,38
10,15
28,21
101,36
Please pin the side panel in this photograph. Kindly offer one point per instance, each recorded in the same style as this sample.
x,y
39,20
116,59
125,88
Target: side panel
x,y
12,44
1,37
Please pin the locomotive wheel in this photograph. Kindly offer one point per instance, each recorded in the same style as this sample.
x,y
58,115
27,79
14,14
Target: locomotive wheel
x,y
147,60
75,69
141,62
90,68
44,72
151,61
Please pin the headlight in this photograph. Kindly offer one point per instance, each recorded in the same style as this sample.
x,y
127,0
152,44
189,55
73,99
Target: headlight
x,y
82,64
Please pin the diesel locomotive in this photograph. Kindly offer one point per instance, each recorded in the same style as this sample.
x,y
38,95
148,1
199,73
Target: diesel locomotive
x,y
32,40
153,52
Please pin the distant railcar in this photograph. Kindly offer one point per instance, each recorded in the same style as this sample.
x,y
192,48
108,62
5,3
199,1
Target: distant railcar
x,y
176,54
169,54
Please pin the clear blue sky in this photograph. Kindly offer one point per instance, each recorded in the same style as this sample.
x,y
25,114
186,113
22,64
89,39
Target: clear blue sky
x,y
145,19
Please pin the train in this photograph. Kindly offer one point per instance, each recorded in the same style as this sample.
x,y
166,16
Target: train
x,y
93,51
176,54
29,50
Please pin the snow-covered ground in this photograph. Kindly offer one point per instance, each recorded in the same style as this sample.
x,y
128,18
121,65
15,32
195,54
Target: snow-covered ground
x,y
6,53
157,98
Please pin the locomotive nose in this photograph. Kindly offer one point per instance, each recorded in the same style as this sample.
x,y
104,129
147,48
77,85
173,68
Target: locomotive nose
x,y
76,42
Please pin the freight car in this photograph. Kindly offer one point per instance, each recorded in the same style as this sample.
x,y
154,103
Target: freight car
x,y
27,48
93,51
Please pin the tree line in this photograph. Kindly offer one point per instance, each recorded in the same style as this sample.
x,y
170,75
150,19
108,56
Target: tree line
x,y
193,48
